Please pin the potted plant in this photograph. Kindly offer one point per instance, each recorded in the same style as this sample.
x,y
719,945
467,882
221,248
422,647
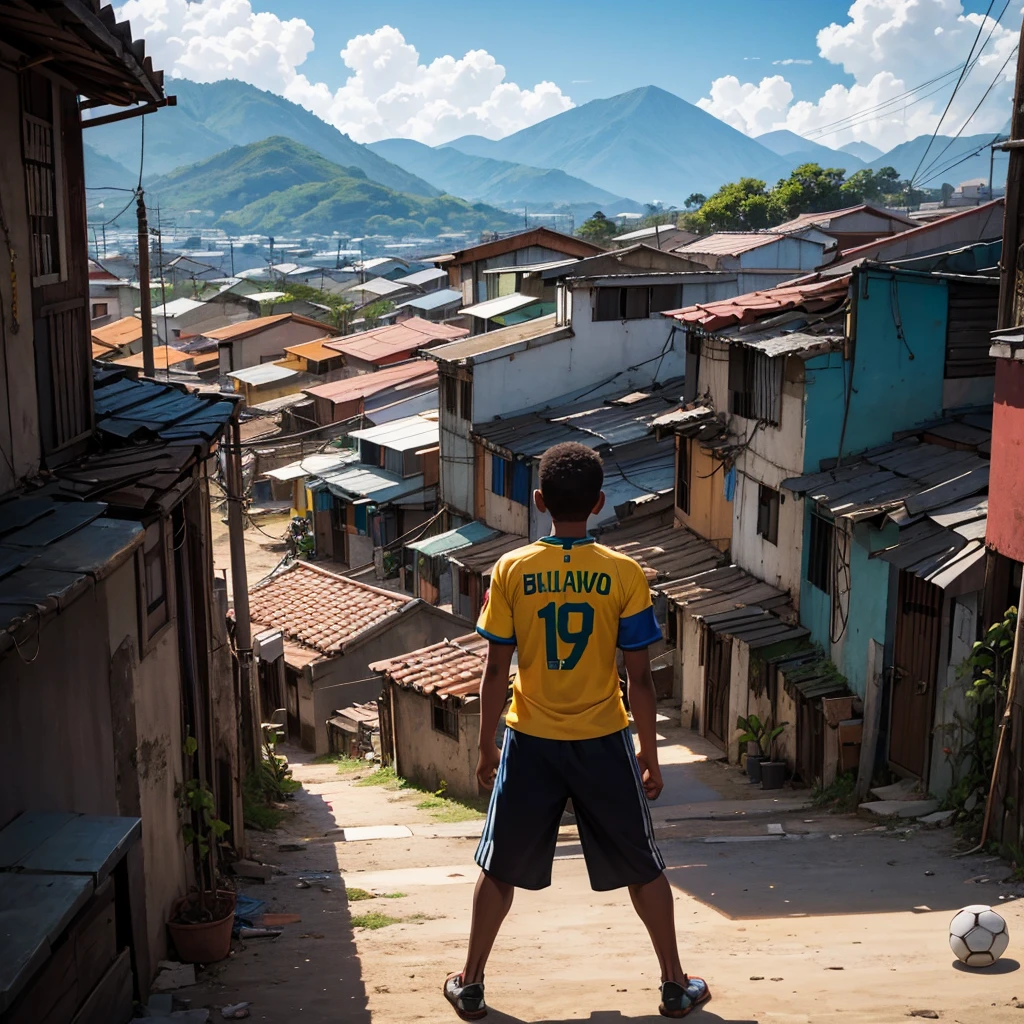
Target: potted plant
x,y
201,922
758,735
773,772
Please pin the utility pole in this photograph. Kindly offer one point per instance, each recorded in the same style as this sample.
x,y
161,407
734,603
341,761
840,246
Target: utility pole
x,y
231,246
148,366
1009,316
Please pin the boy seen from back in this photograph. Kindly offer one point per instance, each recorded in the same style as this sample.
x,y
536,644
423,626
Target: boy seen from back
x,y
566,603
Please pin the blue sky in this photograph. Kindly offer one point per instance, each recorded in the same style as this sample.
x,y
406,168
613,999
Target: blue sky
x,y
433,72
595,48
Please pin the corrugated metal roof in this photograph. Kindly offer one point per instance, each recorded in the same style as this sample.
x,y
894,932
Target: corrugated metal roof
x,y
313,465
754,626
121,332
729,243
905,473
163,357
824,219
379,486
422,277
481,557
395,339
665,553
723,589
315,351
366,384
407,434
263,373
482,344
176,307
434,300
811,296
453,540
499,306
379,286
601,423
630,480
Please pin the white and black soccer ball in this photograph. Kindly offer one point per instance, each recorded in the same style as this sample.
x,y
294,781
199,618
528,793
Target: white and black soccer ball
x,y
978,936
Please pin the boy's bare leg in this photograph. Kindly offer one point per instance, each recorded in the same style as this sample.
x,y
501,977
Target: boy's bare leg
x,y
653,903
491,902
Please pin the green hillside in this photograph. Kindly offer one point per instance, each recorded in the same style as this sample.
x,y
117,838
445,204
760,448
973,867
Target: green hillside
x,y
211,117
279,185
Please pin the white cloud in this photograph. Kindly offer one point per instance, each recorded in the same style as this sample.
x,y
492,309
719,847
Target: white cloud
x,y
387,92
792,60
881,45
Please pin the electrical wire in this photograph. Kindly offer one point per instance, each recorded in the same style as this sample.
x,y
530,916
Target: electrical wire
x,y
952,96
991,86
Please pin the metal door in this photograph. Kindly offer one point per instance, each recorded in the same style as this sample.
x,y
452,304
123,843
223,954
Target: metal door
x,y
915,660
716,689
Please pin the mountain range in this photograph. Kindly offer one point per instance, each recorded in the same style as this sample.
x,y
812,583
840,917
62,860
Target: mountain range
x,y
222,150
278,185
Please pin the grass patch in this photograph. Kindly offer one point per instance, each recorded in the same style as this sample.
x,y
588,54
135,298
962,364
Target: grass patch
x,y
256,810
345,765
358,894
443,808
374,919
383,776
394,895
839,797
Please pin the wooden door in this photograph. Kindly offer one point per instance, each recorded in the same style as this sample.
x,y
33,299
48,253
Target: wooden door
x,y
717,671
915,660
292,705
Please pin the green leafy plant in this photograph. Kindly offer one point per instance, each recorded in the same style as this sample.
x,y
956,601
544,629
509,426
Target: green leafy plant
x,y
972,736
201,830
764,734
374,919
839,797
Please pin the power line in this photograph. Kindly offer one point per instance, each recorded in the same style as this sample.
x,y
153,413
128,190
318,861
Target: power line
x,y
952,96
970,116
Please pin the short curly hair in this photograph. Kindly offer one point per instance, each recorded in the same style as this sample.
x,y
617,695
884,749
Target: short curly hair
x,y
571,476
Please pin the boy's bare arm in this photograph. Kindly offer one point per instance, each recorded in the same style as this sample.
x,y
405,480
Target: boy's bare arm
x,y
643,704
493,694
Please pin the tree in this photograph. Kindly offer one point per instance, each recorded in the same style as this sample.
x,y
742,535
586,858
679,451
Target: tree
x,y
869,186
808,189
742,205
695,200
599,229
375,310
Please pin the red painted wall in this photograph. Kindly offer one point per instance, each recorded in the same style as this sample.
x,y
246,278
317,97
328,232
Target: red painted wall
x,y
1006,480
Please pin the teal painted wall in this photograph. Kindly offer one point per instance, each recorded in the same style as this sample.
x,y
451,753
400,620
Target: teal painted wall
x,y
897,383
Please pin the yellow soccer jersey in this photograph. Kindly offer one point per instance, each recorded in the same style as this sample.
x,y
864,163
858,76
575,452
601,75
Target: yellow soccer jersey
x,y
567,605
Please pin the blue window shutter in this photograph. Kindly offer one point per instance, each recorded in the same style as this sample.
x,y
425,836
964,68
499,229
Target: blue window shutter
x,y
521,483
361,519
498,475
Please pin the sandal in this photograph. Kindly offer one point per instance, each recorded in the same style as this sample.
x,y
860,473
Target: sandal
x,y
467,1000
681,1000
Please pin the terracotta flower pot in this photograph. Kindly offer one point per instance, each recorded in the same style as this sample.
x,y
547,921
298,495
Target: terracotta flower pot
x,y
203,942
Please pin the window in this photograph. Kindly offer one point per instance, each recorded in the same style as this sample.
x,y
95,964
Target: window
x,y
463,582
666,296
446,717
449,395
609,302
99,309
510,479
819,554
755,384
466,399
41,137
637,302
683,476
154,579
768,513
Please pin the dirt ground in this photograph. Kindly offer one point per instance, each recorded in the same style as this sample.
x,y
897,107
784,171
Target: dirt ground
x,y
793,916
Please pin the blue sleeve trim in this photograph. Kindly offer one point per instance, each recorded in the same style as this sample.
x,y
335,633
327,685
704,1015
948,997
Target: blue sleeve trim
x,y
638,631
510,641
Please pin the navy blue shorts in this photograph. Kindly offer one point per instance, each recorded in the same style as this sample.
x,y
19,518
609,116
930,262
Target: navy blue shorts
x,y
535,778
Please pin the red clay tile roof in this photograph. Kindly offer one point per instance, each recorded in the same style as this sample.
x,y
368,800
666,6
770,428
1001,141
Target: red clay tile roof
x,y
352,388
321,609
394,339
452,668
810,295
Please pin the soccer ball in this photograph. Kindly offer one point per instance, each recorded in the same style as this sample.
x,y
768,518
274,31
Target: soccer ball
x,y
978,936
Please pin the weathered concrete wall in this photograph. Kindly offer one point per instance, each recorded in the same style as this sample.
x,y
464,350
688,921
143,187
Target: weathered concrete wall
x,y
419,627
430,757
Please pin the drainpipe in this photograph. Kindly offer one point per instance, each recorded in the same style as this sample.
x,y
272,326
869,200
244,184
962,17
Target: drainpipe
x,y
240,587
